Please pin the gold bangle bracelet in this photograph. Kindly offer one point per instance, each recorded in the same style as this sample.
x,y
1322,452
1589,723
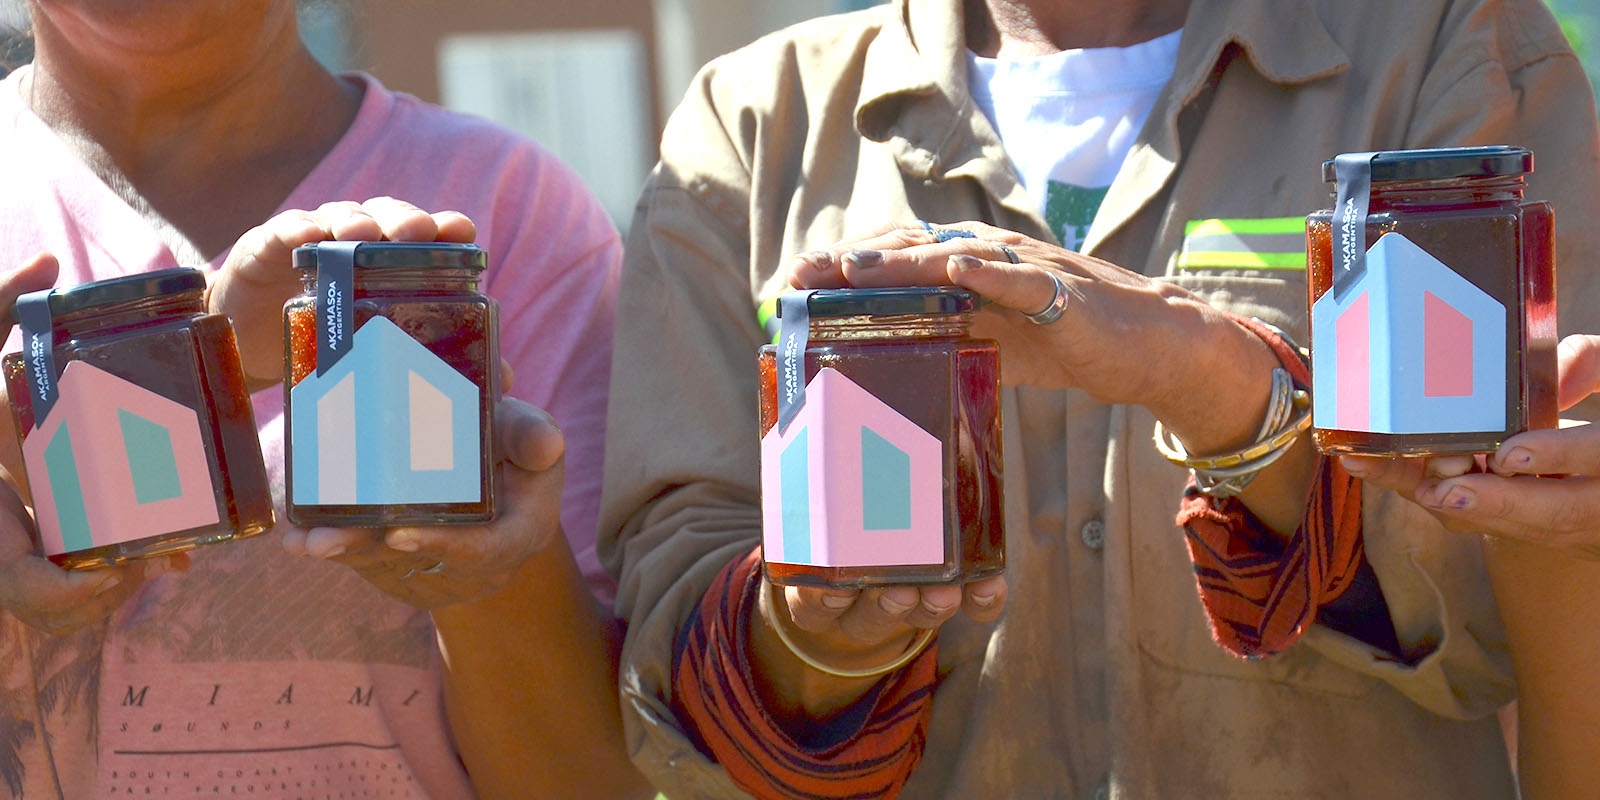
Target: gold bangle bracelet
x,y
771,597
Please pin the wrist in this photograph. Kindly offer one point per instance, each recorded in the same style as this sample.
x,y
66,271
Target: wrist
x,y
795,692
1222,386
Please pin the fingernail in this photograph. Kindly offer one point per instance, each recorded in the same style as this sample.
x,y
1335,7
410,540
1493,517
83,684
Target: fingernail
x,y
892,606
155,568
864,258
1353,466
1459,497
934,609
983,600
110,582
334,552
1516,457
819,260
835,601
405,544
966,263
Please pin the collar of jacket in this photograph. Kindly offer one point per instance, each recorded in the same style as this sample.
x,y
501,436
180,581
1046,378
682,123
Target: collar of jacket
x,y
914,92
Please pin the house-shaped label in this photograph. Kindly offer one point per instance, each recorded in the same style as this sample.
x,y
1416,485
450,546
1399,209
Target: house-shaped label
x,y
390,423
114,462
1411,347
851,483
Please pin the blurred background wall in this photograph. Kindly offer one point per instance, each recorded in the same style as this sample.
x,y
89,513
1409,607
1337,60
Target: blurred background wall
x,y
593,81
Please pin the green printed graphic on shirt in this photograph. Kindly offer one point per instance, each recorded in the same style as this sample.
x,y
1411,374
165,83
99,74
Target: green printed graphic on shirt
x,y
1069,210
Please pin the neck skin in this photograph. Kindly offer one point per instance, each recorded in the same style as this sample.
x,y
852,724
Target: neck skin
x,y
1024,28
203,117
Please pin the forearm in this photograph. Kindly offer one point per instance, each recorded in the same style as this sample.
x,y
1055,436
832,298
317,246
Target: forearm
x,y
530,680
799,697
1220,402
1550,605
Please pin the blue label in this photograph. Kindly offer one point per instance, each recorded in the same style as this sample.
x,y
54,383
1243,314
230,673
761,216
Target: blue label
x,y
38,350
1352,173
336,316
391,424
794,329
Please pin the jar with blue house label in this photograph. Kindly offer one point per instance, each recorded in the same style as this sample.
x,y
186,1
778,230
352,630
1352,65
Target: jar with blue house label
x,y
137,433
1433,304
880,448
391,375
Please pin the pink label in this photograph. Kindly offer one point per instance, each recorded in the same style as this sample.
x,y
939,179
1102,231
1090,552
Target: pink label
x,y
851,483
115,462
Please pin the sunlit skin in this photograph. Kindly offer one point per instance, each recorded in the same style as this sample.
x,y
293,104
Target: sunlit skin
x,y
203,115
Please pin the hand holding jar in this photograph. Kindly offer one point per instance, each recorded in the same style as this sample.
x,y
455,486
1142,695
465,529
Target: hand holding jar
x,y
35,590
1540,486
258,277
1067,320
434,566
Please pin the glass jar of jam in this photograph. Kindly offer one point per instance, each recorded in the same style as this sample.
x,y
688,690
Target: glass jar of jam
x,y
391,375
880,449
1433,313
137,433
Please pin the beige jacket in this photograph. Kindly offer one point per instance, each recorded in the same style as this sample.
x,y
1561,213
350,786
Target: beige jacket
x,y
1102,679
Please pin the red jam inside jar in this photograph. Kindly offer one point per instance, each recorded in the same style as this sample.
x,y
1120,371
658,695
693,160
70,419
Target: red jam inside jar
x,y
901,442
149,445
399,430
1466,328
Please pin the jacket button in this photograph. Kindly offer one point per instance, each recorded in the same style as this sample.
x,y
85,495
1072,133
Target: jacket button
x,y
1093,534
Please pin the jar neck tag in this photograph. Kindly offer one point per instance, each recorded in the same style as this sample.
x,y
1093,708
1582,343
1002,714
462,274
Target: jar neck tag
x,y
1353,182
794,329
38,350
335,304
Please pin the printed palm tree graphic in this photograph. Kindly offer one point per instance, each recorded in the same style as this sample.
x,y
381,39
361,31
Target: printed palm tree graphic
x,y
66,674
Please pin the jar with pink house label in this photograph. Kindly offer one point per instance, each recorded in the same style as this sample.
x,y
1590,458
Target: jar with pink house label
x,y
137,432
880,448
1432,294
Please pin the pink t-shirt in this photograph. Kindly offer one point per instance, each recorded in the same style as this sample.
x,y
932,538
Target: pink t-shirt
x,y
257,673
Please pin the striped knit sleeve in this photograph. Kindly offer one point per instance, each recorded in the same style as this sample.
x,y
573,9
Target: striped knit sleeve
x,y
1262,592
872,754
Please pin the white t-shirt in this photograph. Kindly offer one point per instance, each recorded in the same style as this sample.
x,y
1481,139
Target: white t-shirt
x,y
1068,120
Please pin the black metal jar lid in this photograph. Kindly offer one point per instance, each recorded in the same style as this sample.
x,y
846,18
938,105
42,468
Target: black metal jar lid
x,y
126,288
1442,163
404,255
897,301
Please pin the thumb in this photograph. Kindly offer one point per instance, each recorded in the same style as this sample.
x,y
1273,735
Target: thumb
x,y
35,274
528,437
1578,356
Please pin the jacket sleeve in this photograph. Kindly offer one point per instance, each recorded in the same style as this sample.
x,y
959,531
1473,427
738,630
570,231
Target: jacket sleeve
x,y
1500,73
681,486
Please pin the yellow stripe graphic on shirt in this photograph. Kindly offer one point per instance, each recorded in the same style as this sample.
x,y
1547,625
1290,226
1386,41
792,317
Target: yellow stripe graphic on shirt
x,y
1208,227
1272,243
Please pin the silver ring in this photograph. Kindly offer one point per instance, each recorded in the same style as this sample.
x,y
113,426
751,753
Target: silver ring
x,y
1011,255
1058,304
